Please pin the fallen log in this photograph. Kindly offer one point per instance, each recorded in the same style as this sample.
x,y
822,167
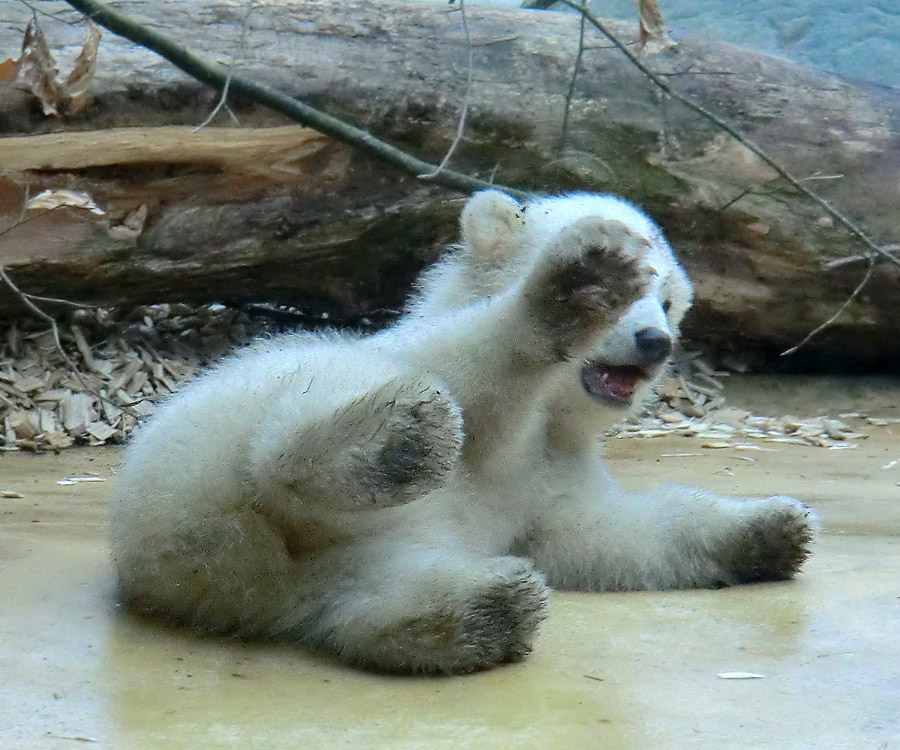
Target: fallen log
x,y
277,213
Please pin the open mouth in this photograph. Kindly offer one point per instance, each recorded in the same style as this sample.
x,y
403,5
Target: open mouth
x,y
614,384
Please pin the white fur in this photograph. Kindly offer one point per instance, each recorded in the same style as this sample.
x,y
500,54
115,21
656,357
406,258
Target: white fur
x,y
401,499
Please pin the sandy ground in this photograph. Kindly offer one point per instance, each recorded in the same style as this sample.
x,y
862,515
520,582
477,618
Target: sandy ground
x,y
636,670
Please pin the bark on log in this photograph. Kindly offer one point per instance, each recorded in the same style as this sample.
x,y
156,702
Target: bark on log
x,y
285,215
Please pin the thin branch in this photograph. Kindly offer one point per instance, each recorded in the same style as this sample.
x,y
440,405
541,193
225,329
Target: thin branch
x,y
850,259
743,194
461,127
840,311
24,296
57,301
571,91
221,103
28,300
55,15
23,219
657,80
818,176
296,110
242,45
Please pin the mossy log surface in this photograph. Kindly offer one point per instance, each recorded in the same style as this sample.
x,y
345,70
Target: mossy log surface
x,y
274,212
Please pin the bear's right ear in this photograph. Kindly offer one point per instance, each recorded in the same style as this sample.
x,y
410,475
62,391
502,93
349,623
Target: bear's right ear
x,y
492,223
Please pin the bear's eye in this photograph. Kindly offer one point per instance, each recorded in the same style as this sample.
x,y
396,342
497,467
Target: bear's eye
x,y
666,306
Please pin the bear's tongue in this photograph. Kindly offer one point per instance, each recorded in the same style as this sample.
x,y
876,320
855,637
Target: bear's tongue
x,y
611,382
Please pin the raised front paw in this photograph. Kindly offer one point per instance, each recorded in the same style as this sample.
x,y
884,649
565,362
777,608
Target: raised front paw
x,y
592,273
387,447
774,541
414,448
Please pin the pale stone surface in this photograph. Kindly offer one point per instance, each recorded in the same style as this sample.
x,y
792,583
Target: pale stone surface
x,y
634,670
846,37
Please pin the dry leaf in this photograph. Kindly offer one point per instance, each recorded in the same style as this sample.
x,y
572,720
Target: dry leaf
x,y
132,225
30,383
24,425
653,28
79,480
99,431
77,86
50,199
9,69
58,439
37,70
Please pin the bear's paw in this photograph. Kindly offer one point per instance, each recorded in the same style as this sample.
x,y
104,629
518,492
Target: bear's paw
x,y
592,273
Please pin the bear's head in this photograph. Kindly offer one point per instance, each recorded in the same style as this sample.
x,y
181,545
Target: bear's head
x,y
501,238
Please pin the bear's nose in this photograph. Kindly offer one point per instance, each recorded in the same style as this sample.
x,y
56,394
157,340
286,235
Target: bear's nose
x,y
653,345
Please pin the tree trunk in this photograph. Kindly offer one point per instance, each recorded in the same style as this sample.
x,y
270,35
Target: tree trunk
x,y
282,214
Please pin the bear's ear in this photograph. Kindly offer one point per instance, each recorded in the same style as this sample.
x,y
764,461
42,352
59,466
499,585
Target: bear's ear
x,y
492,223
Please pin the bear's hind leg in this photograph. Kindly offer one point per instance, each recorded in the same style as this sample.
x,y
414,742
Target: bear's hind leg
x,y
769,543
402,608
671,537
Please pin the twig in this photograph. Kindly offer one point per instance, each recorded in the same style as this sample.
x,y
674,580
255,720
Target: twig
x,y
55,15
28,300
745,192
850,259
840,311
24,296
657,80
25,299
251,4
220,104
296,110
70,737
819,176
840,217
57,301
571,91
461,127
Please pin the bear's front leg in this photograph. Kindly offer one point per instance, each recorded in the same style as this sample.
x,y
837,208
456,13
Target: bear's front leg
x,y
499,353
586,278
322,449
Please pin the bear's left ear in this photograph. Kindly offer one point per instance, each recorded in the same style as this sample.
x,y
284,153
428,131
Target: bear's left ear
x,y
492,223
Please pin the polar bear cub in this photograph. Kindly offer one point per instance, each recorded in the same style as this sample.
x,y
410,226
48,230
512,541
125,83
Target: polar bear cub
x,y
403,500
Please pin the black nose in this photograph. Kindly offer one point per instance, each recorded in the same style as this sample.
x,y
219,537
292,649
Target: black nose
x,y
653,345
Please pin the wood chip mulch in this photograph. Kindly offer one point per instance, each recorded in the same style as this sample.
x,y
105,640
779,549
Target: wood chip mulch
x,y
126,365
692,404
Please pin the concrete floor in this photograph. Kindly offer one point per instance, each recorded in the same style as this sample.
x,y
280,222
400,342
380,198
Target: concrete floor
x,y
636,671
